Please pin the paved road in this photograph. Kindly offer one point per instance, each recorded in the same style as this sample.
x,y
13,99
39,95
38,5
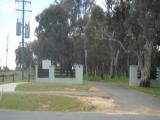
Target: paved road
x,y
14,115
130,99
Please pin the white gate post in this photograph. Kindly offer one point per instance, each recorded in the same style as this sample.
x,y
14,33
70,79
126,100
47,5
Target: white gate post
x,y
36,69
133,78
51,73
79,74
158,74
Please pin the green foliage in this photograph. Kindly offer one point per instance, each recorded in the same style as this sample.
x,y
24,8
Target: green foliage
x,y
60,27
39,102
28,56
127,29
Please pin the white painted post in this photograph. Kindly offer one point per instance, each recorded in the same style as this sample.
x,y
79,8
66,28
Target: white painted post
x,y
36,69
158,74
133,80
51,73
1,96
79,74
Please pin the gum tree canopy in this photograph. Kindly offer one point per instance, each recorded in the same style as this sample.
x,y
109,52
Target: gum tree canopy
x,y
126,32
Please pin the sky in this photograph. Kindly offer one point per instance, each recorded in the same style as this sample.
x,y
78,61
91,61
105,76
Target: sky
x,y
8,18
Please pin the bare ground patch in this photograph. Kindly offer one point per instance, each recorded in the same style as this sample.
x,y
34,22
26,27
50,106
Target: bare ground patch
x,y
99,104
91,89
146,111
109,105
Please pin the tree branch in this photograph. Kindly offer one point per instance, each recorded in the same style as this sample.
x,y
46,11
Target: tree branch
x,y
111,38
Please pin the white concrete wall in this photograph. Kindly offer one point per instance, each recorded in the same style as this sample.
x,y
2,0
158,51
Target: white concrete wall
x,y
156,83
158,74
77,80
46,64
133,80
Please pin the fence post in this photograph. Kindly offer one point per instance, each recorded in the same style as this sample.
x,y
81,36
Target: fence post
x,y
1,96
36,69
28,77
158,74
13,77
3,78
51,73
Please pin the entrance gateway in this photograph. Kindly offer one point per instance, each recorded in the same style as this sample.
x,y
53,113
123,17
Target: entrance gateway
x,y
135,77
52,74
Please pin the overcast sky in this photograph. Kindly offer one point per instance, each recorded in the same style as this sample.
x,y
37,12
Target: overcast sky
x,y
8,17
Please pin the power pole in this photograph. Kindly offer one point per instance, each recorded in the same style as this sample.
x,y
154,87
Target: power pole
x,y
7,51
21,26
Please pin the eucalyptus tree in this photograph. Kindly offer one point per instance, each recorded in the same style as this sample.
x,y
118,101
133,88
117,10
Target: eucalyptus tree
x,y
52,33
115,32
28,60
60,31
96,48
144,29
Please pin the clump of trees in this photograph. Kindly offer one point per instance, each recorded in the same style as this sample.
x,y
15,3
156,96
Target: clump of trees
x,y
104,41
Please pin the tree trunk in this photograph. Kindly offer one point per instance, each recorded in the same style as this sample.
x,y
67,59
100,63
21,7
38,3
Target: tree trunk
x,y
102,71
114,63
112,67
144,63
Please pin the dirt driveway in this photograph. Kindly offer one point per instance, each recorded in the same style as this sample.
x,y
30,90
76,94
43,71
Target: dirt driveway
x,y
128,99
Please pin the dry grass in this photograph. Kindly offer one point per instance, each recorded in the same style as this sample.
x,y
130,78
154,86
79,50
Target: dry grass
x,y
54,87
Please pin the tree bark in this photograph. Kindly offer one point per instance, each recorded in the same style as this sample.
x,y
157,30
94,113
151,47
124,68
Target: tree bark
x,y
114,63
144,62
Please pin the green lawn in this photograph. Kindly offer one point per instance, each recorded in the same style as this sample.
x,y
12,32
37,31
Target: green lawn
x,y
39,102
52,87
107,79
151,91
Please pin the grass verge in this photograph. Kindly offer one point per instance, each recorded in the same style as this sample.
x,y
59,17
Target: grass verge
x,y
151,91
52,87
41,103
107,79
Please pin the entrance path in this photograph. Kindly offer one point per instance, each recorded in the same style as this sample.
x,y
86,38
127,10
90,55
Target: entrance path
x,y
129,99
10,87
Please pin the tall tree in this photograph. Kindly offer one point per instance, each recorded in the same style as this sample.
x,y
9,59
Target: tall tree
x,y
144,26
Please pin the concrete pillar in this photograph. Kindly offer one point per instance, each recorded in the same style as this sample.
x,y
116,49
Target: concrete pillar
x,y
51,73
46,64
79,73
36,69
133,80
